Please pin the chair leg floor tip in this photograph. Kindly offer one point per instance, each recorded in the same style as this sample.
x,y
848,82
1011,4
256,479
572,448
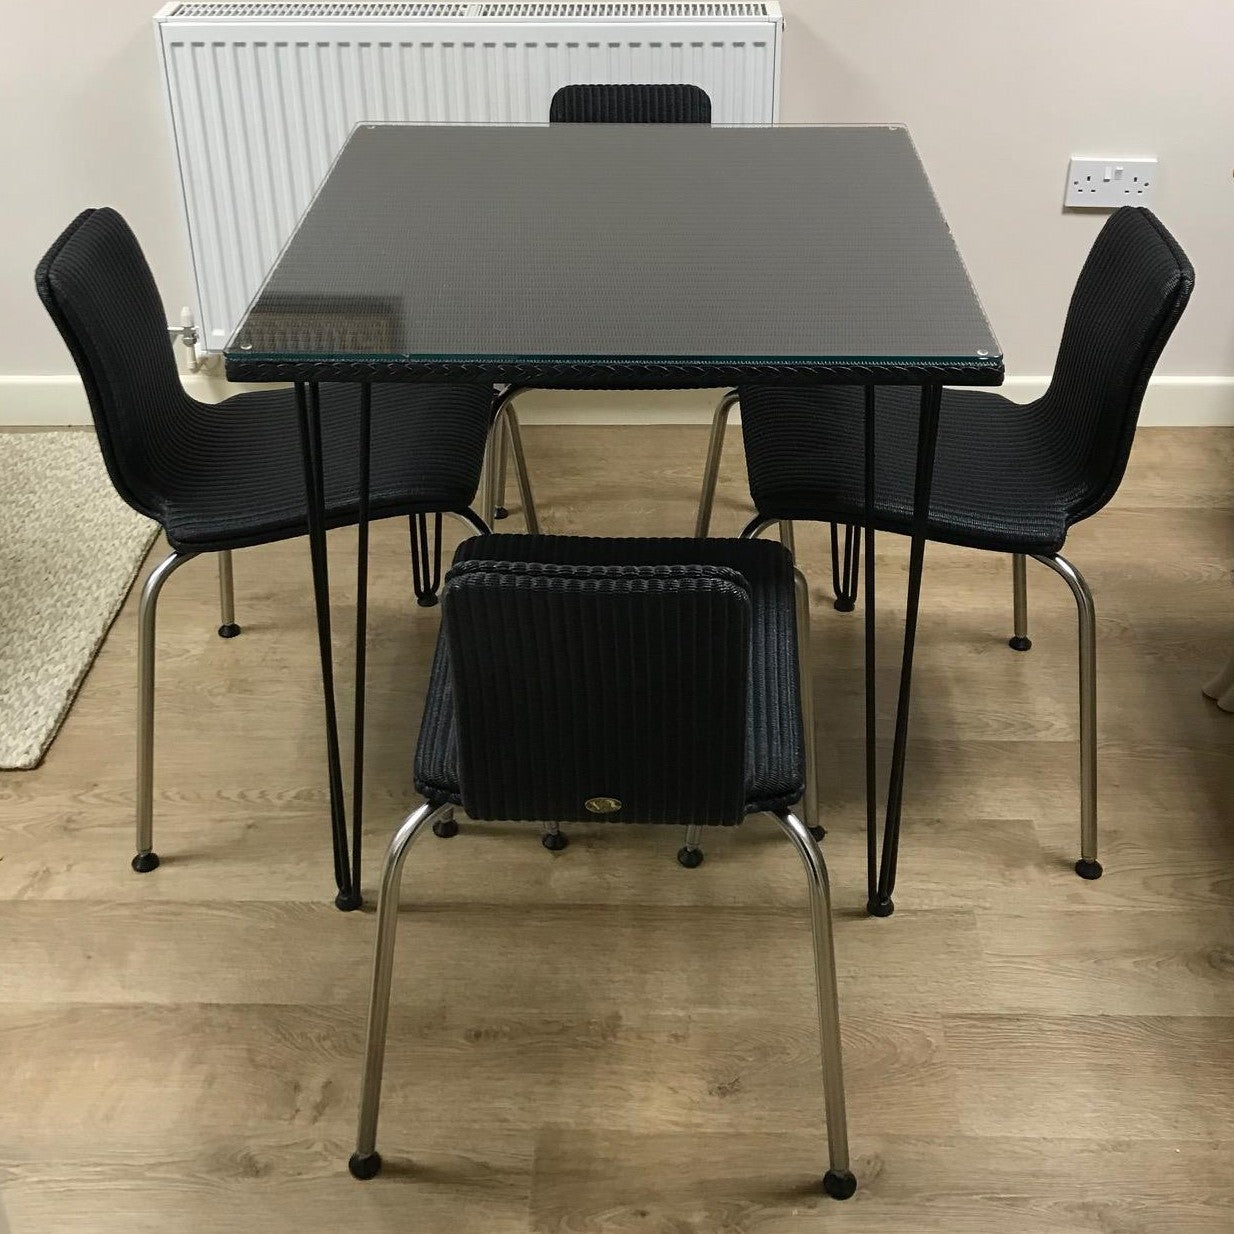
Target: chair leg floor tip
x,y
230,630
364,1166
1020,644
143,863
1088,869
839,1184
691,858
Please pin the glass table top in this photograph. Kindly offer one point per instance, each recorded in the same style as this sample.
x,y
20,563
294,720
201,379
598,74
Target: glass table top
x,y
577,245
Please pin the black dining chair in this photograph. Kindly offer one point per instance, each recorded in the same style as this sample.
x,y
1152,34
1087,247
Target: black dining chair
x,y
628,681
583,104
1008,478
630,104
218,477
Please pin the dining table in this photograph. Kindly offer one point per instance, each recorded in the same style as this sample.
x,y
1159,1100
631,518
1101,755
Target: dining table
x,y
613,256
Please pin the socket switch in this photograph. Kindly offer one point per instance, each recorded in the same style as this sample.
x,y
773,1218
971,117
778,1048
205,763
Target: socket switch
x,y
1107,183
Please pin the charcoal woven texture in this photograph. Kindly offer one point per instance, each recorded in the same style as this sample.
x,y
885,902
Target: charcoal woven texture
x,y
230,474
661,673
631,104
1007,477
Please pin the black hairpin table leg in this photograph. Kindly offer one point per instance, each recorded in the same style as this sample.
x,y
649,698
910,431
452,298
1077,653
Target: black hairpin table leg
x,y
845,572
880,903
357,757
309,414
425,561
871,690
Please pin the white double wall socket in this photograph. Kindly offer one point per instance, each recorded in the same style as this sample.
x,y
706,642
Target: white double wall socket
x,y
1107,183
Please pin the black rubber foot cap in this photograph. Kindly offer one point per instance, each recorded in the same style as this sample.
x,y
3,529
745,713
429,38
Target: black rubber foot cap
x,y
554,841
818,832
839,1184
349,903
444,828
429,601
1019,644
501,512
1088,869
229,631
368,1167
691,858
844,605
880,908
143,863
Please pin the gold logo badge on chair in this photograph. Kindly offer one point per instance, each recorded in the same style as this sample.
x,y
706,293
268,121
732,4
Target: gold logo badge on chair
x,y
603,805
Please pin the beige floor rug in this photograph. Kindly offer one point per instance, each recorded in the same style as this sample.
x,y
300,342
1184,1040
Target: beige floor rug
x,y
69,551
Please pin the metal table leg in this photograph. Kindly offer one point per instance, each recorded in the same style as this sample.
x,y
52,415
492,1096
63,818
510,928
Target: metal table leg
x,y
346,864
425,559
871,689
845,572
357,756
880,903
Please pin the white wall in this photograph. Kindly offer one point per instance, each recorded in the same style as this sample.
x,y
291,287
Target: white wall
x,y
990,89
999,93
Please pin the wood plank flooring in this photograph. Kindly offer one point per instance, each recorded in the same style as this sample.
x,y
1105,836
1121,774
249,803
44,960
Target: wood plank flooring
x,y
599,1040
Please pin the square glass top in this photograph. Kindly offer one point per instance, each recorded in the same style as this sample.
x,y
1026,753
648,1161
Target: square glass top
x,y
517,252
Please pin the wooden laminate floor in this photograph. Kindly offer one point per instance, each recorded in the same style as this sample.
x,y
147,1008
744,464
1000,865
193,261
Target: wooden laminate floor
x,y
599,1040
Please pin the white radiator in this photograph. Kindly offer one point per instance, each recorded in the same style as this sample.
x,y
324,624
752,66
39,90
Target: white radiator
x,y
262,96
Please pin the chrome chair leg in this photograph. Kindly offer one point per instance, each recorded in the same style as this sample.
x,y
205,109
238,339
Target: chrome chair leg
x,y
1088,866
691,856
503,446
805,672
366,1161
147,859
553,838
475,525
488,477
786,537
1019,583
756,526
227,597
711,472
838,1182
530,518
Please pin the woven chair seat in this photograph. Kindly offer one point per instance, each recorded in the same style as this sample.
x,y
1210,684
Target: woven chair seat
x,y
993,484
240,479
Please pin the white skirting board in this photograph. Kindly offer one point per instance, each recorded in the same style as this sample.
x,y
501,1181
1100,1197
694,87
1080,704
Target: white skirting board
x,y
60,400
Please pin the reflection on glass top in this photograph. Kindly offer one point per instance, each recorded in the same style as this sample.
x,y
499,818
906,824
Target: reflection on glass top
x,y
470,242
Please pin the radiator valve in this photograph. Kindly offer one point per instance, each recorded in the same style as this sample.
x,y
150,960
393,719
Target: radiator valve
x,y
186,332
